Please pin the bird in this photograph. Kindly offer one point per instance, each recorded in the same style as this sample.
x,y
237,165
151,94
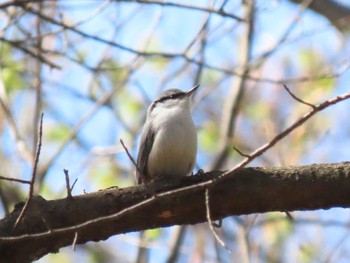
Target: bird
x,y
168,145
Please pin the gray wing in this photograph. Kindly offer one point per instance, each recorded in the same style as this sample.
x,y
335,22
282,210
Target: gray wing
x,y
146,143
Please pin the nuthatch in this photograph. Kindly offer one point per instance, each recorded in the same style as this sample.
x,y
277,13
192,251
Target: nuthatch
x,y
168,145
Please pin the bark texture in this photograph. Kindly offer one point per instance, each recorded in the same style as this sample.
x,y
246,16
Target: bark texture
x,y
249,190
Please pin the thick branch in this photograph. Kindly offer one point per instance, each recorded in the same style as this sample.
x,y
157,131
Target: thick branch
x,y
50,225
336,13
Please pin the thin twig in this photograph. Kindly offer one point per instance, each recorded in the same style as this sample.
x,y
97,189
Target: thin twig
x,y
289,216
37,82
32,181
104,99
296,98
235,99
14,180
287,131
240,152
31,53
17,3
167,55
74,244
218,239
191,7
69,190
130,157
292,24
219,12
94,37
173,55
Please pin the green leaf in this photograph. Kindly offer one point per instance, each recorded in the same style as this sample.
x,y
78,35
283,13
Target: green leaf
x,y
153,234
311,61
259,110
307,253
57,132
11,71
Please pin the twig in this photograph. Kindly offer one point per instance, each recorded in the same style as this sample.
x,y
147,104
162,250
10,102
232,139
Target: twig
x,y
174,55
240,152
14,180
280,136
234,101
94,37
143,53
32,181
287,32
37,82
74,244
296,98
130,157
17,3
289,216
191,7
69,189
218,239
104,99
31,53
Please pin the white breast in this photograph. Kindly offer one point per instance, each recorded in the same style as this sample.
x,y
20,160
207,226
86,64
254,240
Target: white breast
x,y
173,153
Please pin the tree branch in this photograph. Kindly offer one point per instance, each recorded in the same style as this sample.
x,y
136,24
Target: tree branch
x,y
211,10
50,225
235,97
336,13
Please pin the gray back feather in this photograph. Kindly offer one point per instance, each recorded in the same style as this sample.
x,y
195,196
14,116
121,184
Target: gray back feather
x,y
146,143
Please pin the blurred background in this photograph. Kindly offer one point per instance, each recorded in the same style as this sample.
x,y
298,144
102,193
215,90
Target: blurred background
x,y
93,68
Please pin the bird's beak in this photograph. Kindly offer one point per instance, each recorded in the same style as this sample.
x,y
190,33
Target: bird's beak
x,y
191,91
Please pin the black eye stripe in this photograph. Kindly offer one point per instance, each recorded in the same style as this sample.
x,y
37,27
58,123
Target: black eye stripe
x,y
172,96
